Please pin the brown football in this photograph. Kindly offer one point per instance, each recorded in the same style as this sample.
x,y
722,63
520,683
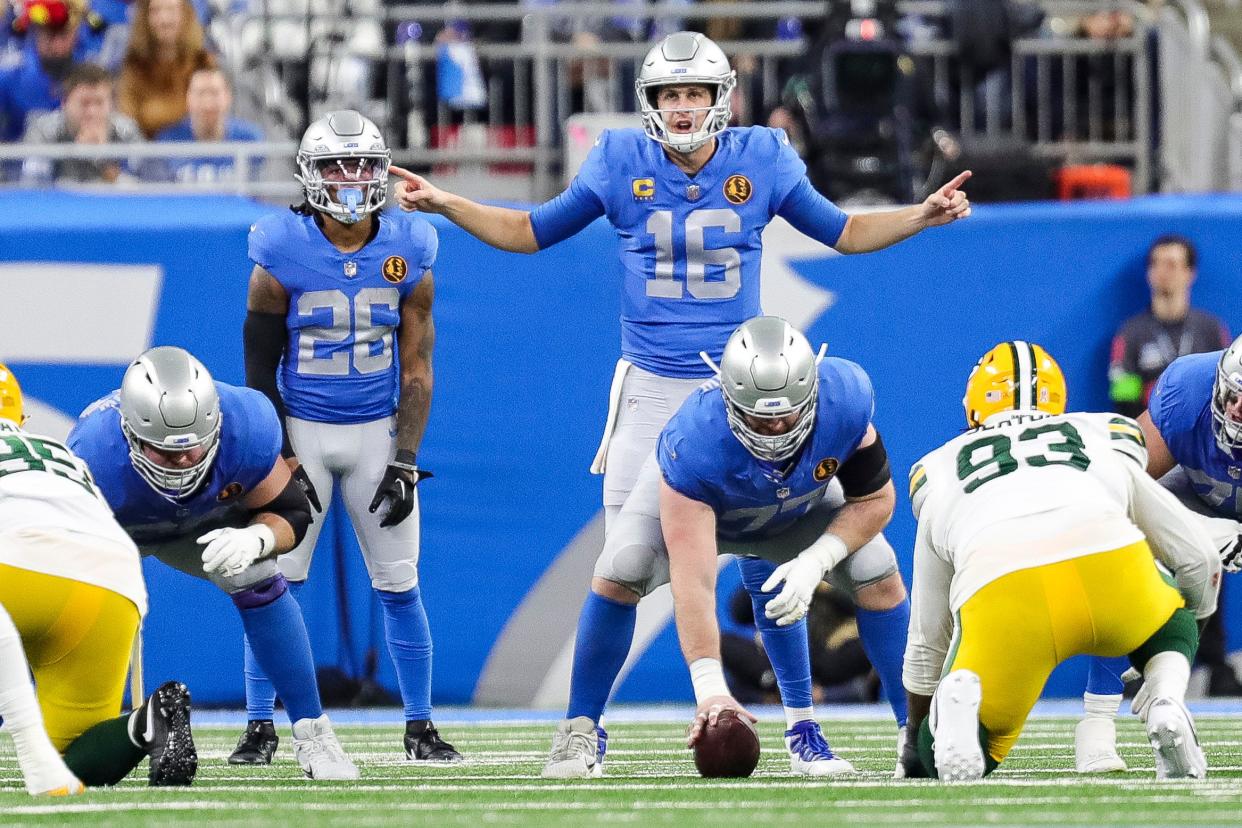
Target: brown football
x,y
729,748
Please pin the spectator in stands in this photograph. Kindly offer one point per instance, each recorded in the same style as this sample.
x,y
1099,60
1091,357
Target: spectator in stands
x,y
209,101
165,49
31,83
87,117
1146,344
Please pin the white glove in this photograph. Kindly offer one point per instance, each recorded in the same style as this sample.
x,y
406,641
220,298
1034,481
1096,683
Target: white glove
x,y
1142,701
801,576
231,551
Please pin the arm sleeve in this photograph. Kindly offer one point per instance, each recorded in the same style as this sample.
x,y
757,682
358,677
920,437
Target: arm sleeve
x,y
812,214
931,622
583,201
1179,538
568,213
263,340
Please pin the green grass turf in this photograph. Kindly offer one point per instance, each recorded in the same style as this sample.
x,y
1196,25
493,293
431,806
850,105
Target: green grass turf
x,y
651,780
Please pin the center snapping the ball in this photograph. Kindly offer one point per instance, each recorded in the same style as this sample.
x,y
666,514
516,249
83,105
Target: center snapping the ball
x,y
728,748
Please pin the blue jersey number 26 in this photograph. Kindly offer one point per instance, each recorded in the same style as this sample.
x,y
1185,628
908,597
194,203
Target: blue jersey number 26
x,y
665,285
325,350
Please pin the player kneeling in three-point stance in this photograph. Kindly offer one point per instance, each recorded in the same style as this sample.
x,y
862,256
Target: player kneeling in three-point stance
x,y
1032,547
72,598
191,468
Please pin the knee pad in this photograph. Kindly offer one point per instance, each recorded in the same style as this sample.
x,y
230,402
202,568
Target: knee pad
x,y
870,564
393,576
634,555
260,594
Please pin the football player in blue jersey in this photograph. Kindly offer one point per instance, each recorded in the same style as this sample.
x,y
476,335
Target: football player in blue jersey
x,y
775,460
339,336
689,197
192,470
1193,430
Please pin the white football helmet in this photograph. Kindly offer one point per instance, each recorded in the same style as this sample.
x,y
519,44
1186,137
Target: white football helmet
x,y
343,164
1225,393
685,58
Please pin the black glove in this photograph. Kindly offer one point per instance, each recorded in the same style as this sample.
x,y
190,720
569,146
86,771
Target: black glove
x,y
308,488
1231,555
397,487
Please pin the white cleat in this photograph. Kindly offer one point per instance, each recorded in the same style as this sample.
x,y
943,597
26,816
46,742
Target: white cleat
x,y
809,753
319,753
1095,746
575,751
1174,741
959,757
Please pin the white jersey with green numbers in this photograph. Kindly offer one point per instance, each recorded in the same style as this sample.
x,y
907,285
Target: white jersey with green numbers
x,y
53,520
1026,489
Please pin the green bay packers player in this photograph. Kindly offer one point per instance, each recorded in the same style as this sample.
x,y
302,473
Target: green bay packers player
x,y
71,599
1038,536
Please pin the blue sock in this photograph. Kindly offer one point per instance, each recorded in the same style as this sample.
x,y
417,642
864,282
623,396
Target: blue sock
x,y
605,633
260,694
787,647
883,635
1104,675
277,635
409,645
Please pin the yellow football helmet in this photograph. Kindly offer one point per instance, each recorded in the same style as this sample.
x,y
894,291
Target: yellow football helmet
x,y
10,397
1014,376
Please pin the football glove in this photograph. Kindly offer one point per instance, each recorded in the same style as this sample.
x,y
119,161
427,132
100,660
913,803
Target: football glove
x,y
801,576
231,551
308,488
397,488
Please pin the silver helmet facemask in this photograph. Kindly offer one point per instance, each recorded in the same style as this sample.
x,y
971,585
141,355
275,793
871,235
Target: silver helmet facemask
x,y
343,166
768,371
685,59
1225,392
169,401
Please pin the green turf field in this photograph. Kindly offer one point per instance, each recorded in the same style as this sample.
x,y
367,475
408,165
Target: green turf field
x,y
651,780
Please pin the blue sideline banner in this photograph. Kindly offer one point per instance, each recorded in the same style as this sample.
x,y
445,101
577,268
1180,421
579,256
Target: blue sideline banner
x,y
524,356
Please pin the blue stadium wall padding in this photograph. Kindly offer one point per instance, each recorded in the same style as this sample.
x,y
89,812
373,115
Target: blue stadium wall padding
x,y
524,354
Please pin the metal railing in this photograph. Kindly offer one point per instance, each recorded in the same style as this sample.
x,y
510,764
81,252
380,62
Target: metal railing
x,y
1066,98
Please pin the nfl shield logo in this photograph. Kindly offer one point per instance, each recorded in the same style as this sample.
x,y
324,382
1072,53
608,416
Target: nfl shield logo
x,y
693,192
782,492
1235,472
351,269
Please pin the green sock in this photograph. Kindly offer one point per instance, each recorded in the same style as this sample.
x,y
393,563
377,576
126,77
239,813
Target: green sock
x,y
104,754
1180,634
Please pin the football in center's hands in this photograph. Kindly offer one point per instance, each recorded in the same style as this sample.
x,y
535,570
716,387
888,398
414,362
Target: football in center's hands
x,y
729,748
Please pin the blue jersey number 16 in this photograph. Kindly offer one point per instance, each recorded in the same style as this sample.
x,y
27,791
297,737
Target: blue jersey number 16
x,y
665,284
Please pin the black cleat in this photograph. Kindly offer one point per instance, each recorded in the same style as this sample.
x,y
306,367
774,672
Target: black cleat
x,y
257,745
165,720
423,743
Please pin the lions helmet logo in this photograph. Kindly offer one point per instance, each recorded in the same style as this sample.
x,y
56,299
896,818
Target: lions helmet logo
x,y
737,189
826,468
229,492
395,269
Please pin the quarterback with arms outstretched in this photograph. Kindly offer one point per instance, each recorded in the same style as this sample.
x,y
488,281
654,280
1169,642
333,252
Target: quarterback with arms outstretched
x,y
1037,540
689,197
191,468
340,306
